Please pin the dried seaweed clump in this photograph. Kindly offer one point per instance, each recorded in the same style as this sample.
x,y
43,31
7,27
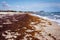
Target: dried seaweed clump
x,y
21,27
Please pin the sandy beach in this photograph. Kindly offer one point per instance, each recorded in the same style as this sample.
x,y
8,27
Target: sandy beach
x,y
28,27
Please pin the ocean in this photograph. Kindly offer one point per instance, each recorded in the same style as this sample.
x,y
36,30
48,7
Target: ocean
x,y
53,16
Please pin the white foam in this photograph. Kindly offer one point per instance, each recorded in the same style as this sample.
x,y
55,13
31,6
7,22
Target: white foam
x,y
56,15
55,20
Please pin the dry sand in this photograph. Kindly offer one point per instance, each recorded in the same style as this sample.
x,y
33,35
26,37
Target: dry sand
x,y
46,30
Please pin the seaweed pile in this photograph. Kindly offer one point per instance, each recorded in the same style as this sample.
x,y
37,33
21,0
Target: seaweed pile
x,y
23,27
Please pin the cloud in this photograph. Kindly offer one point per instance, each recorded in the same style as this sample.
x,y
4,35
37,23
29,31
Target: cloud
x,y
38,6
5,5
32,6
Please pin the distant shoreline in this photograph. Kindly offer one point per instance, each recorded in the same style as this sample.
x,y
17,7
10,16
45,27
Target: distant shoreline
x,y
15,12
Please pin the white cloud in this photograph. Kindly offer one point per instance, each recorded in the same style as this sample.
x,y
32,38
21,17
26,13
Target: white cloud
x,y
41,5
31,6
37,6
5,5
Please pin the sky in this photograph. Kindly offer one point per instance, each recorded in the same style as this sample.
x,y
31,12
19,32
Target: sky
x,y
31,5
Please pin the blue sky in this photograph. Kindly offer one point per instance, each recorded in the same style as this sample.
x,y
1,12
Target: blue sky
x,y
30,5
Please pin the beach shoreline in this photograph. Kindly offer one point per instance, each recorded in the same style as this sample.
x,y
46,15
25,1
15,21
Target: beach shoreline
x,y
47,29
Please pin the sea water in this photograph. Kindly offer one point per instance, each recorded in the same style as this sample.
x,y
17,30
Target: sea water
x,y
53,16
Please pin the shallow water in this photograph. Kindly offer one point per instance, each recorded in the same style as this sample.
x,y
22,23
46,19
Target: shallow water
x,y
52,16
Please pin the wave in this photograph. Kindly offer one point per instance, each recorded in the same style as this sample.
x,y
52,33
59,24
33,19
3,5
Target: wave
x,y
55,18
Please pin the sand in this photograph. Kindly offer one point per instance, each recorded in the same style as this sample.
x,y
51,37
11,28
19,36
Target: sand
x,y
38,28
